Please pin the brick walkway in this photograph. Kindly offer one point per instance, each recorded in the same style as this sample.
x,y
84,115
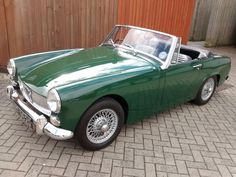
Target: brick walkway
x,y
186,141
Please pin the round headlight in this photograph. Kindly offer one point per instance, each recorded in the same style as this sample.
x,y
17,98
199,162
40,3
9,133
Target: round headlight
x,y
11,68
54,101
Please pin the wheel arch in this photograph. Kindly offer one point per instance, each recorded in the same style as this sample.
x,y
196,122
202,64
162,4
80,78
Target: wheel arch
x,y
117,98
216,75
217,78
120,100
84,142
198,99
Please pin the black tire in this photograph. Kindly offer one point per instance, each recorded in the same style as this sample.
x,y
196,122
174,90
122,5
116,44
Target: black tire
x,y
81,130
199,99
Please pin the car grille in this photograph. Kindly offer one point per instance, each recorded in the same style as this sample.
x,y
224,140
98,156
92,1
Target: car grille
x,y
37,101
40,100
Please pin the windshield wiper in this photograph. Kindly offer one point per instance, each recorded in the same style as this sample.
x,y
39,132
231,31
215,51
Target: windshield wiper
x,y
110,42
130,46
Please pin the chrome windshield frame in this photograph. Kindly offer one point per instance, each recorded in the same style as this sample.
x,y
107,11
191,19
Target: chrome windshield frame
x,y
140,52
166,63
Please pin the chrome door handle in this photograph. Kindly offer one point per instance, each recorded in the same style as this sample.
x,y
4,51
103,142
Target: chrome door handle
x,y
197,66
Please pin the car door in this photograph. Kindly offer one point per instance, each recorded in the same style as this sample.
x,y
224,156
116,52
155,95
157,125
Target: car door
x,y
182,81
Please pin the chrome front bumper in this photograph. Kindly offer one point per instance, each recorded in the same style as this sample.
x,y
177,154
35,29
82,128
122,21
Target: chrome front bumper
x,y
41,123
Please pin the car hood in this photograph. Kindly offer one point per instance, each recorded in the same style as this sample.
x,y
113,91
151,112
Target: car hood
x,y
80,66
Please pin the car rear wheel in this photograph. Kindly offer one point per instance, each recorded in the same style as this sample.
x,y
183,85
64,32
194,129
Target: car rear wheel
x,y
206,91
100,124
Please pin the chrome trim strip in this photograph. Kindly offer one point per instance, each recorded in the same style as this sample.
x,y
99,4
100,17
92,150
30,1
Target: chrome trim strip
x,y
146,29
197,66
170,55
40,121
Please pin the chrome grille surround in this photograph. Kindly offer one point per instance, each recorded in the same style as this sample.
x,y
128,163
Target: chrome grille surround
x,y
37,101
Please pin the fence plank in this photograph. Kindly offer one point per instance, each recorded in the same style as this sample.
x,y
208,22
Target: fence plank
x,y
4,50
222,24
201,19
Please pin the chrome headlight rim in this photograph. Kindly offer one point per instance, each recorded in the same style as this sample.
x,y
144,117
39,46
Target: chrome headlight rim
x,y
11,68
54,101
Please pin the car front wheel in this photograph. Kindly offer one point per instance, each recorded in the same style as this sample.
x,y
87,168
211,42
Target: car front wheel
x,y
206,91
100,124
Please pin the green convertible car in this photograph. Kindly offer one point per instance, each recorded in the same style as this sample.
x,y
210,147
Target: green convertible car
x,y
90,93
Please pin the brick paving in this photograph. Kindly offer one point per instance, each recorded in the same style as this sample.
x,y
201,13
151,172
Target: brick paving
x,y
188,140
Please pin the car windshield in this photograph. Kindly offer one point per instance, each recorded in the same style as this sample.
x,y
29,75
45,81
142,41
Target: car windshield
x,y
151,43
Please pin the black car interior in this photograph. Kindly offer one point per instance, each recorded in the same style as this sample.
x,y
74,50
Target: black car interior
x,y
189,52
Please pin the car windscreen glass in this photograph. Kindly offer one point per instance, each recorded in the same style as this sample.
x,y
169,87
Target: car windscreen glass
x,y
154,44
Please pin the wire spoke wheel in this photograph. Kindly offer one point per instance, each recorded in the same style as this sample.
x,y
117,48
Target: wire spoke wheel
x,y
102,126
208,89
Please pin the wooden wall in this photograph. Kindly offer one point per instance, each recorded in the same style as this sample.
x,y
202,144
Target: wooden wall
x,y
171,16
29,26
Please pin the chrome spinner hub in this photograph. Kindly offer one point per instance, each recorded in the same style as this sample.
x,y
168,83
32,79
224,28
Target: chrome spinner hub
x,y
101,124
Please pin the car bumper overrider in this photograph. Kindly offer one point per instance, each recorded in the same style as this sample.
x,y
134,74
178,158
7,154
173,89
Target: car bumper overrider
x,y
40,121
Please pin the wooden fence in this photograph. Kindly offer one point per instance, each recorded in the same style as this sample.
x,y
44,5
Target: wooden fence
x,y
201,17
214,22
39,25
222,23
171,16
4,48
